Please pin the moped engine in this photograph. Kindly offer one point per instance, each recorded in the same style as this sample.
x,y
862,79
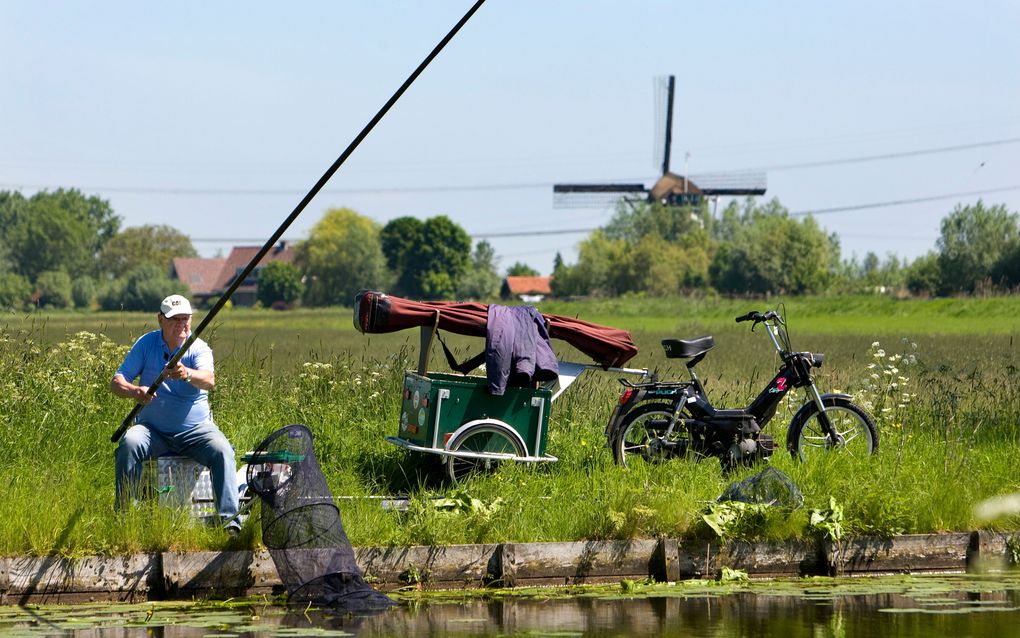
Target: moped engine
x,y
748,449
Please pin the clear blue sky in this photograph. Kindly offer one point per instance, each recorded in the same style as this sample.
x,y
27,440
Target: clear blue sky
x,y
176,112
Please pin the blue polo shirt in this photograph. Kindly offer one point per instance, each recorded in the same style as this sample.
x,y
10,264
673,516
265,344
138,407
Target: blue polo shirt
x,y
178,405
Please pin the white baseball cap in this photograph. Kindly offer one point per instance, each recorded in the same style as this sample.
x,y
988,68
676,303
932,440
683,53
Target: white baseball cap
x,y
175,305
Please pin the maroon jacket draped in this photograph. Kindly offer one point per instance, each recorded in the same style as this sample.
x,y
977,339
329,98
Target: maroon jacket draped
x,y
376,312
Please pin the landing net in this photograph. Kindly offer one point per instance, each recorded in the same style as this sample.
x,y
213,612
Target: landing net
x,y
301,526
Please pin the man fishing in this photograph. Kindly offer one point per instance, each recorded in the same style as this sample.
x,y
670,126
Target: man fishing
x,y
176,418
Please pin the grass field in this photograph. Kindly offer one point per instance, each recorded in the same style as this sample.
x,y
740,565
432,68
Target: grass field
x,y
951,444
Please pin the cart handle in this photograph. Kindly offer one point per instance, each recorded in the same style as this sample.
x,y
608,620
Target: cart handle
x,y
569,372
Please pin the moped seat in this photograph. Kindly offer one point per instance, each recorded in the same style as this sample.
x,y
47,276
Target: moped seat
x,y
687,348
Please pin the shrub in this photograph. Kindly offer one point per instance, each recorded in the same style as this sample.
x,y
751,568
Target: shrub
x,y
54,288
83,292
141,289
14,291
279,282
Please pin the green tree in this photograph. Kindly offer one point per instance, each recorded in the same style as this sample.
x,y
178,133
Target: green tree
x,y
45,237
646,247
662,267
1007,270
141,289
138,245
83,291
54,288
482,280
602,268
15,291
341,256
924,276
563,282
444,257
974,239
429,258
521,269
62,230
399,239
772,252
94,212
279,281
635,220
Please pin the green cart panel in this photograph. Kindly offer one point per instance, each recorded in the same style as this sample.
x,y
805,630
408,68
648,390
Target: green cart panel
x,y
435,405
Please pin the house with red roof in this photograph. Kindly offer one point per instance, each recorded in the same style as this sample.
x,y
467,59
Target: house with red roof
x,y
210,277
526,289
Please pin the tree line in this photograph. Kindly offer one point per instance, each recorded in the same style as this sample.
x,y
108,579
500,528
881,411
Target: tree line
x,y
64,249
756,248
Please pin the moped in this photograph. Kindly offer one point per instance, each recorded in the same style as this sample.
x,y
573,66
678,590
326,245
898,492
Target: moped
x,y
659,420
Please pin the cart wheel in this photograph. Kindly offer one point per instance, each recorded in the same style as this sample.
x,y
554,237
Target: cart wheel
x,y
484,437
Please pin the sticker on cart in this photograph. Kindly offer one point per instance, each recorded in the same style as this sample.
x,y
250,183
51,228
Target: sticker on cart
x,y
403,421
421,417
417,398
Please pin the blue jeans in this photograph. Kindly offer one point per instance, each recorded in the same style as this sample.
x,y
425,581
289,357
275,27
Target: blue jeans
x,y
203,443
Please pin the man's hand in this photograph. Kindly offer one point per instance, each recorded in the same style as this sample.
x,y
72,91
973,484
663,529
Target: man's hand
x,y
142,396
127,390
178,371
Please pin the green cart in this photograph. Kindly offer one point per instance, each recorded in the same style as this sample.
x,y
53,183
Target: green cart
x,y
456,417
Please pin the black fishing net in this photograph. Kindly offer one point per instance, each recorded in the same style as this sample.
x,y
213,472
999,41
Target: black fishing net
x,y
768,487
301,526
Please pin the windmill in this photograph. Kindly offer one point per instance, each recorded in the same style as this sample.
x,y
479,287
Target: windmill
x,y
670,189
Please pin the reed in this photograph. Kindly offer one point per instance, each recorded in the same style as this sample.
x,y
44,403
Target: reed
x,y
950,443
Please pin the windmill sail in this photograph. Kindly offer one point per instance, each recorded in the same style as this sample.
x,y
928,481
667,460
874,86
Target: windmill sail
x,y
595,195
670,188
665,88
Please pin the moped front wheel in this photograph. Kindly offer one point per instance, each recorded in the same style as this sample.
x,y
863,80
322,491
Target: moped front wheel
x,y
641,437
855,432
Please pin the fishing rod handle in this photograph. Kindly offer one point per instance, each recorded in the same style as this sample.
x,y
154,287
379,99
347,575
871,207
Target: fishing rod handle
x,y
126,423
119,432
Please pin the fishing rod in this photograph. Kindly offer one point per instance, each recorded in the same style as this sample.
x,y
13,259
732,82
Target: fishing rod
x,y
239,279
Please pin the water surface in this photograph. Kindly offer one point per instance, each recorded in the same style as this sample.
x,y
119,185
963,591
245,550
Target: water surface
x,y
949,606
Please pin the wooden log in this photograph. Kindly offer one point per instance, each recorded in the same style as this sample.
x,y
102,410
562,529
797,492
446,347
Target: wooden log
x,y
993,551
218,573
55,579
765,559
909,553
579,562
459,566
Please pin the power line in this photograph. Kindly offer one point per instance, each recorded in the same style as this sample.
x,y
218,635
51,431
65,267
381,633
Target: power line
x,y
580,231
146,190
481,235
153,190
902,202
888,156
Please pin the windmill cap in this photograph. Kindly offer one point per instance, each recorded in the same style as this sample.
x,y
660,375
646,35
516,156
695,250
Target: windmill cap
x,y
175,305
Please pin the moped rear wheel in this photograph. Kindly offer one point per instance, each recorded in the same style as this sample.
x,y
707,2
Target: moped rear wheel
x,y
641,437
856,432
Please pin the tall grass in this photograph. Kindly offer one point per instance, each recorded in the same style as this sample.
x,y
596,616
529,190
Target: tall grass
x,y
950,444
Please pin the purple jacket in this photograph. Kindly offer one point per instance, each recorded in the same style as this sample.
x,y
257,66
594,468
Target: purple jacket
x,y
517,348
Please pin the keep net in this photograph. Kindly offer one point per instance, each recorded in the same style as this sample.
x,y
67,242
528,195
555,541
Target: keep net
x,y
768,487
301,526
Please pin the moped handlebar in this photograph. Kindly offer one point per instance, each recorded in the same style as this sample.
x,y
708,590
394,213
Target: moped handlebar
x,y
758,317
